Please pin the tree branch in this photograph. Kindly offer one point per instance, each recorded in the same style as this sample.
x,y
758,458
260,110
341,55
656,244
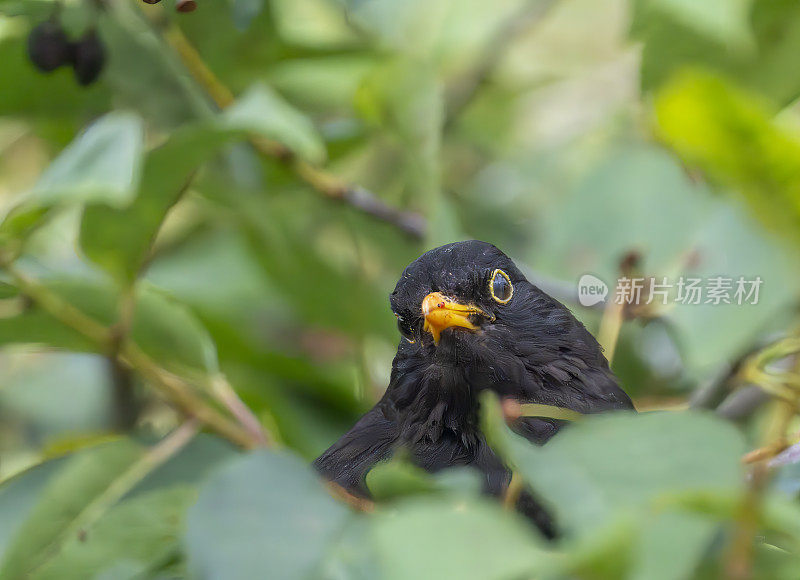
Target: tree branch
x,y
784,386
327,184
175,389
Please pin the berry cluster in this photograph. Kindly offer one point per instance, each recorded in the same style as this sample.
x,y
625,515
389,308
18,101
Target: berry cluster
x,y
49,48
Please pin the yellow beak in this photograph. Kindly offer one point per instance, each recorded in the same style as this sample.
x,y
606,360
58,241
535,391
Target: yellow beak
x,y
441,312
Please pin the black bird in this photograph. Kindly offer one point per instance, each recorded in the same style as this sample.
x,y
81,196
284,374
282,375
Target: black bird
x,y
470,321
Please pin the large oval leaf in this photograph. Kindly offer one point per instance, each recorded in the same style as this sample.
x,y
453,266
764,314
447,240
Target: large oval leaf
x,y
265,515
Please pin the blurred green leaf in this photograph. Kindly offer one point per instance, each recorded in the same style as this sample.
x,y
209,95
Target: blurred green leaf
x,y
301,79
313,23
19,495
144,530
670,546
351,557
404,97
162,327
730,135
21,221
578,473
191,466
265,514
171,333
678,228
262,111
725,20
352,304
119,240
424,538
101,165
57,393
397,477
671,44
61,504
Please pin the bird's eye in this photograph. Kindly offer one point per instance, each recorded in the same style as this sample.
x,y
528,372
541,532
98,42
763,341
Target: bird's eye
x,y
405,329
500,287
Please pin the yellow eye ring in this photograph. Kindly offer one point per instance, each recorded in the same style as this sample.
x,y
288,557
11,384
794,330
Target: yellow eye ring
x,y
501,289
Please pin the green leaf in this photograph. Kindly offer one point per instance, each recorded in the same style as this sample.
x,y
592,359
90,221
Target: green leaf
x,y
351,304
144,531
19,495
21,221
263,515
168,331
731,135
670,546
398,477
62,502
313,23
405,98
191,466
668,219
463,539
606,465
299,80
165,329
101,165
119,240
351,556
672,44
57,393
263,112
725,20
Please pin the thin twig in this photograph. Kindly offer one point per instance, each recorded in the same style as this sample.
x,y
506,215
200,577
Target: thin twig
x,y
225,394
739,561
767,452
783,386
513,491
182,395
357,503
742,403
513,410
610,327
619,307
126,407
330,186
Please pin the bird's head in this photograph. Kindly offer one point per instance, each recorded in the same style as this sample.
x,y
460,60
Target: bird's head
x,y
467,314
457,293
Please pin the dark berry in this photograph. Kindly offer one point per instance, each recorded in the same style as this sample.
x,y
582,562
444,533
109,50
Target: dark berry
x,y
152,1
88,58
186,6
48,46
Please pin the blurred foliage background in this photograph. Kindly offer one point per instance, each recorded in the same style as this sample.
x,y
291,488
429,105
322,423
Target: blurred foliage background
x,y
221,216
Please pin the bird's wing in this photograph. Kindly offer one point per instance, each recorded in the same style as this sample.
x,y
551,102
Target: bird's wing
x,y
347,461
